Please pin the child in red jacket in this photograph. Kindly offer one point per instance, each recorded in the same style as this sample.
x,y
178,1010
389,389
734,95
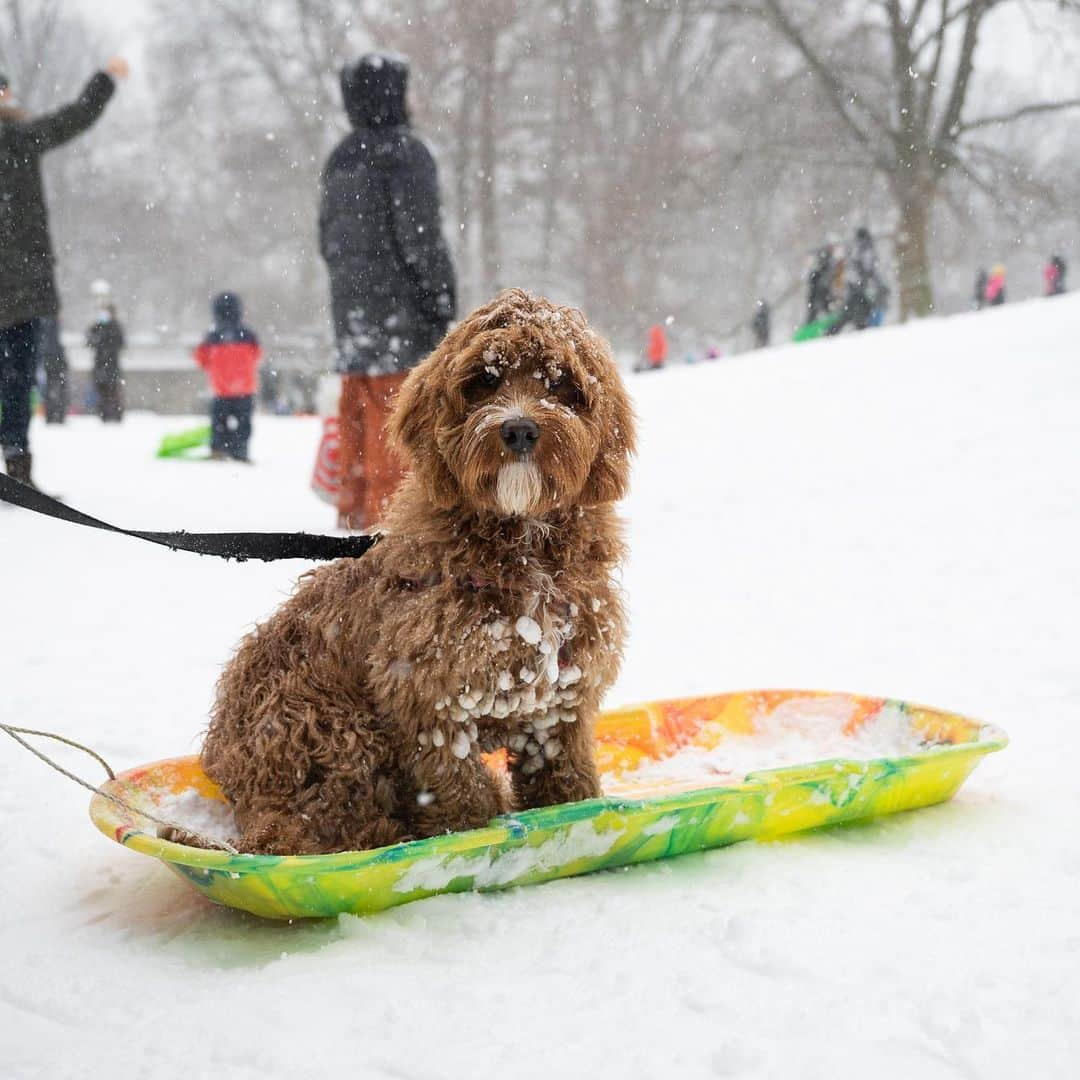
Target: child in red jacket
x,y
229,354
656,349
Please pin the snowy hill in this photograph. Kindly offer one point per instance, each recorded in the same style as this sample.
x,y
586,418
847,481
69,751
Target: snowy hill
x,y
895,513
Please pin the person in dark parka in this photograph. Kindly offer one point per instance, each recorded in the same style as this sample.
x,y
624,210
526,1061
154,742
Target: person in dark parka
x,y
105,337
392,284
27,282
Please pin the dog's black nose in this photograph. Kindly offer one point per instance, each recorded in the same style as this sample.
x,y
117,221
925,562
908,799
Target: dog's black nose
x,y
519,435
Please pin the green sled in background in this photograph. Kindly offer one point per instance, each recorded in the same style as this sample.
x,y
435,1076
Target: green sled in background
x,y
817,328
180,444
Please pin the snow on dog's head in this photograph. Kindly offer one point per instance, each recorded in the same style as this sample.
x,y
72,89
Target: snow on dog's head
x,y
520,411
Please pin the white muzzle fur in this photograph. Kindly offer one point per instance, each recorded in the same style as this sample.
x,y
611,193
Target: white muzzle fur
x,y
518,488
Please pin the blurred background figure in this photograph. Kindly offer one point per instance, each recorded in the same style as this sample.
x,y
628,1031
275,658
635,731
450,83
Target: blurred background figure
x,y
54,370
270,395
1054,276
29,304
392,284
865,294
880,301
995,286
819,285
105,338
978,299
656,348
230,354
761,324
839,271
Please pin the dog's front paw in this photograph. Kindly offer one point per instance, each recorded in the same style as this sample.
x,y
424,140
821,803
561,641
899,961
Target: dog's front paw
x,y
181,836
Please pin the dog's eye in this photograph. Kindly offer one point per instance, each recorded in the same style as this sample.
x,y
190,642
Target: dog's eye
x,y
566,390
482,384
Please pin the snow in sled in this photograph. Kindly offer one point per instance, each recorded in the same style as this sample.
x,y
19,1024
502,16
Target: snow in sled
x,y
678,776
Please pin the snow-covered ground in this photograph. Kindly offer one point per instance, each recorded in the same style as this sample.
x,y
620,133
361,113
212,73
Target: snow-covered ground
x,y
896,513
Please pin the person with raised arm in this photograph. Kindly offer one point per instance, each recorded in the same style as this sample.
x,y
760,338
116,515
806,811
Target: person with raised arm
x,y
28,292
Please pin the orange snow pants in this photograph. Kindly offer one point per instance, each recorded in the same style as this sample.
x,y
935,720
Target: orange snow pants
x,y
370,470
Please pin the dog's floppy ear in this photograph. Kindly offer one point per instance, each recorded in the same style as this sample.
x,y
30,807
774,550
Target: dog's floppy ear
x,y
610,476
412,427
406,422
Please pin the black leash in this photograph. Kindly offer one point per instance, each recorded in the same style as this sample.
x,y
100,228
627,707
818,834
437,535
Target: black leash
x,y
240,546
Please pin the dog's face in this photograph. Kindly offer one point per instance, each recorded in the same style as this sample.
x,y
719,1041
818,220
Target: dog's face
x,y
520,411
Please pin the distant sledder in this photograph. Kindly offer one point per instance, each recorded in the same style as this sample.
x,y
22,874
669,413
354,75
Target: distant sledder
x,y
994,295
761,324
1054,276
656,350
819,295
865,293
230,355
843,289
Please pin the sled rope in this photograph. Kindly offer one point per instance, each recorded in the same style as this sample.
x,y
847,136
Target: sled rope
x,y
240,546
17,732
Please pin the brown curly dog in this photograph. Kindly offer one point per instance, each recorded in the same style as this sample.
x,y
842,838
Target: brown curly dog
x,y
485,617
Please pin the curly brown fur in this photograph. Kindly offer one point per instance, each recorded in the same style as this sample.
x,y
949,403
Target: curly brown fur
x,y
485,617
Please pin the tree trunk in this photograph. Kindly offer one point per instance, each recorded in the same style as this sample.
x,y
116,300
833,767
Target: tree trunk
x,y
913,252
556,124
463,186
490,248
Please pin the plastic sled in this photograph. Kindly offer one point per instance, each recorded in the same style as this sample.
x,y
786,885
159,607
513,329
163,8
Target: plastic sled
x,y
638,820
180,444
817,328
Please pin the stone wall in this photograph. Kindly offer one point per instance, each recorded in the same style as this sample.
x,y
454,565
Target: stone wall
x,y
164,378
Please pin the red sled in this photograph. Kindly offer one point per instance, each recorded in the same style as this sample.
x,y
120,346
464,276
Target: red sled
x,y
326,478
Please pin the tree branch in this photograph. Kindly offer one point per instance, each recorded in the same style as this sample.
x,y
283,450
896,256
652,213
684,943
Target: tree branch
x,y
947,20
900,39
1017,114
840,96
930,79
965,65
916,15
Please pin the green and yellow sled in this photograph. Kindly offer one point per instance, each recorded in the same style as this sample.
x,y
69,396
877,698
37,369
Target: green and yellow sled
x,y
637,821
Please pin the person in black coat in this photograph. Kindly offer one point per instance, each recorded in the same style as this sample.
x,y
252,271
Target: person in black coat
x,y
761,324
27,283
392,284
978,299
53,369
105,337
819,285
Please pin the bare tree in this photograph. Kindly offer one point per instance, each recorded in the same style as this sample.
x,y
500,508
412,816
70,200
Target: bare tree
x,y
898,76
641,160
42,49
